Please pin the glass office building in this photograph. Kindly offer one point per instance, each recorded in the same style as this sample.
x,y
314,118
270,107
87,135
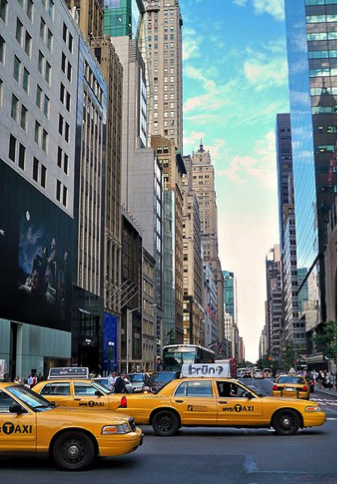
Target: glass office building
x,y
312,58
122,17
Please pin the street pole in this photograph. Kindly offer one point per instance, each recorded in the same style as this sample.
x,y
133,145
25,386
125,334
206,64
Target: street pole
x,y
127,336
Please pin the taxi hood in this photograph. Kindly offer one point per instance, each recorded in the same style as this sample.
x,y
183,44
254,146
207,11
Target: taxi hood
x,y
66,415
291,400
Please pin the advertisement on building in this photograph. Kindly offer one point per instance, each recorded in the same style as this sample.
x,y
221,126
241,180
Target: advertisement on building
x,y
35,255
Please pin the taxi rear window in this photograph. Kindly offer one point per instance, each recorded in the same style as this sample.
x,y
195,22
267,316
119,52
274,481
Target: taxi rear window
x,y
195,389
56,389
291,380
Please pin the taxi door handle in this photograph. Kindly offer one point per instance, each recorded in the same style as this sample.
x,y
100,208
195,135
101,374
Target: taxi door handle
x,y
178,401
77,399
223,402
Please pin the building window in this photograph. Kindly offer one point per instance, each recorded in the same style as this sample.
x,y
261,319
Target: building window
x,y
48,72
37,132
25,80
60,124
63,62
69,72
38,96
22,156
12,148
28,44
58,190
2,49
59,160
50,40
14,109
17,67
64,198
24,117
3,10
1,91
40,62
42,29
44,141
35,169
46,106
43,176
19,30
29,9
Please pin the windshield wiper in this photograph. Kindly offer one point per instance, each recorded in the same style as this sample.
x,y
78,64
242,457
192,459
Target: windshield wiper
x,y
45,406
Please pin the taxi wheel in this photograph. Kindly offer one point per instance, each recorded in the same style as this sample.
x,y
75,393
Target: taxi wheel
x,y
73,451
165,423
286,422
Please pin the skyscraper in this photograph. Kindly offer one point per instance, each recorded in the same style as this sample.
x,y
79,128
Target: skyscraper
x,y
203,183
164,37
312,57
274,302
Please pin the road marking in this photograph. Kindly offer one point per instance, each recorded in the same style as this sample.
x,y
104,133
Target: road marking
x,y
250,465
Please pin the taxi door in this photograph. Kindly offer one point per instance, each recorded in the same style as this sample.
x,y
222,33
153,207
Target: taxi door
x,y
237,409
59,392
17,431
195,402
85,397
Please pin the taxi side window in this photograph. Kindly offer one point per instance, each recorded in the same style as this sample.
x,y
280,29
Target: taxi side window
x,y
82,389
5,402
195,389
56,389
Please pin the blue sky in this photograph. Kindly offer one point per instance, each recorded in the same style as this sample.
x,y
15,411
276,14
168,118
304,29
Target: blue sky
x,y
235,82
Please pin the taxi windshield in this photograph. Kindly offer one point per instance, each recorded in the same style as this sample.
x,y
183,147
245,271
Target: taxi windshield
x,y
102,388
31,398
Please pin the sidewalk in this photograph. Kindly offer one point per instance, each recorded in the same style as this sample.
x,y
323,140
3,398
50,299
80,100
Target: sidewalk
x,y
328,392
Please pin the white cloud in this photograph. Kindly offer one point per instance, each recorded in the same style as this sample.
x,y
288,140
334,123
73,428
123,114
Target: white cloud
x,y
260,165
264,75
272,7
191,44
240,3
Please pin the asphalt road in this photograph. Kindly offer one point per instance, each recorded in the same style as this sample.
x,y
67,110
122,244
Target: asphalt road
x,y
207,455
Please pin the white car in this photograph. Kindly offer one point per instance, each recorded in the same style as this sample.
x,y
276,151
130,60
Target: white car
x,y
259,374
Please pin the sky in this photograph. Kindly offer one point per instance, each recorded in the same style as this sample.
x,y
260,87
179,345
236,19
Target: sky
x,y
234,84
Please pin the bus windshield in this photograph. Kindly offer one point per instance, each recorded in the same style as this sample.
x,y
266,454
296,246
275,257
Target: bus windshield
x,y
175,360
174,356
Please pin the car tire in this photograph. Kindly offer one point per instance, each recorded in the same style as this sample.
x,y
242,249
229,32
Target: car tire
x,y
73,451
165,423
286,422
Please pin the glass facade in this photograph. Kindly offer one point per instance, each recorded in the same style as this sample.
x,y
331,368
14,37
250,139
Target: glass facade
x,y
230,294
122,17
311,29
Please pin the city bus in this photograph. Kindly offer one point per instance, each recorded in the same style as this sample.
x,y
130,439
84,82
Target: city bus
x,y
174,356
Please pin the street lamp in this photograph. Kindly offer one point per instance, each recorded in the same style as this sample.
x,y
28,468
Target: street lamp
x,y
127,336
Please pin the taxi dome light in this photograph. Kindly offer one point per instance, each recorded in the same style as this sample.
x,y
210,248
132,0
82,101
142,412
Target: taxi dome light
x,y
123,403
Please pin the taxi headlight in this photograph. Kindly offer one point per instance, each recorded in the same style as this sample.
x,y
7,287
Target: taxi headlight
x,y
116,429
312,409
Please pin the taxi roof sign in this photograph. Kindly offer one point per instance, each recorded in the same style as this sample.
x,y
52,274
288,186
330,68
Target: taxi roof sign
x,y
69,372
205,370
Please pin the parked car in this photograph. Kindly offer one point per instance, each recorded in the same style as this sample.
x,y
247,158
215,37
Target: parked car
x,y
138,380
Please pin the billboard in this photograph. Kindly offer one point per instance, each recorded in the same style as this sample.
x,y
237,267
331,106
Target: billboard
x,y
35,255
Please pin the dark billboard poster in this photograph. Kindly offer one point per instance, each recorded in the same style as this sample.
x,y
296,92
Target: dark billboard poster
x,y
35,255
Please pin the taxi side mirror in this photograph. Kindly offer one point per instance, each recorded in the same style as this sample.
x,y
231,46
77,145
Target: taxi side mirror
x,y
98,393
248,395
16,408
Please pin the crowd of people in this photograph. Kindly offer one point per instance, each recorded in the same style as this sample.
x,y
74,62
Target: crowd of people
x,y
118,384
324,379
30,381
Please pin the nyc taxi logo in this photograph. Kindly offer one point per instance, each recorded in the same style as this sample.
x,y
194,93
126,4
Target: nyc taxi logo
x,y
92,404
238,408
10,428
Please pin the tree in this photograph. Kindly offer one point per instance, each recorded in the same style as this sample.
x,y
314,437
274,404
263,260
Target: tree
x,y
326,341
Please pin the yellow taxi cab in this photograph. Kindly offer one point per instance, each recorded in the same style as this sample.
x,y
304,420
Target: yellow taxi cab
x,y
78,393
291,385
213,401
31,424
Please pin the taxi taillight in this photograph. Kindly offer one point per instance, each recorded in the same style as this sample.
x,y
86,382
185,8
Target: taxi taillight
x,y
123,403
275,388
304,389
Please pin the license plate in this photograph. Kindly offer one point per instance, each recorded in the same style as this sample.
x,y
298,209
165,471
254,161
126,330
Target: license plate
x,y
290,389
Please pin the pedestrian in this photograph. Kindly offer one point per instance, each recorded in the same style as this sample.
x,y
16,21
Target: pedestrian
x,y
34,381
17,380
30,380
40,377
320,379
331,380
25,383
112,380
120,384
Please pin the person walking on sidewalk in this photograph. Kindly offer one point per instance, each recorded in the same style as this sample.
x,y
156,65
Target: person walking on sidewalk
x,y
320,379
331,380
